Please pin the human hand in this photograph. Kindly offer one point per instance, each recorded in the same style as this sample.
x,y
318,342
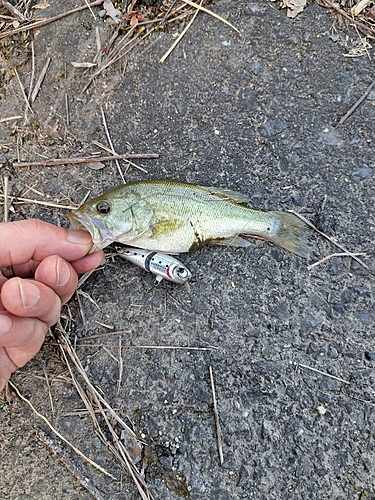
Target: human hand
x,y
52,256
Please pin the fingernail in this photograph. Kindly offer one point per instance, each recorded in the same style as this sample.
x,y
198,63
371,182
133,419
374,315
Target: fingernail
x,y
5,324
29,293
79,237
63,272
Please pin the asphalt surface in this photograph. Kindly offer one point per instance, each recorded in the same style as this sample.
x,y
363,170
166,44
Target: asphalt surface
x,y
257,113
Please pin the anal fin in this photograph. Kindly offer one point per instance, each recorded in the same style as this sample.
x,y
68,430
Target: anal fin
x,y
235,241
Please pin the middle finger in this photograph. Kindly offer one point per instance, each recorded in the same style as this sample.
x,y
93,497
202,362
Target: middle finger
x,y
31,299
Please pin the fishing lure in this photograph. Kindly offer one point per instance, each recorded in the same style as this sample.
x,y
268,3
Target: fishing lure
x,y
162,265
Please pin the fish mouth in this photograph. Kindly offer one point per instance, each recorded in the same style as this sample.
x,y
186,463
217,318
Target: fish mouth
x,y
99,232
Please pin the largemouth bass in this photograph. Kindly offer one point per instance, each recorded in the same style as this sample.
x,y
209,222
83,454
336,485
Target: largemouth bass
x,y
173,217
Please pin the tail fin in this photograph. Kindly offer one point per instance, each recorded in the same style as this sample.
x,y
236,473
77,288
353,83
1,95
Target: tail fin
x,y
291,234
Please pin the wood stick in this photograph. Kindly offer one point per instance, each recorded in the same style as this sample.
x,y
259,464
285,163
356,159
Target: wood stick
x,y
10,118
76,161
355,106
216,413
14,11
40,80
343,13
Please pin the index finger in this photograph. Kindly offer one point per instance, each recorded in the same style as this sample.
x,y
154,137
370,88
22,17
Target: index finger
x,y
34,239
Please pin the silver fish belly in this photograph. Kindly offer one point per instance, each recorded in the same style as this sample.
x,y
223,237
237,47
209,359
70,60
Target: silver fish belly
x,y
162,265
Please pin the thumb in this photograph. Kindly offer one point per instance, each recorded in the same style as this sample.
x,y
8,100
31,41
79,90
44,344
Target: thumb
x,y
33,239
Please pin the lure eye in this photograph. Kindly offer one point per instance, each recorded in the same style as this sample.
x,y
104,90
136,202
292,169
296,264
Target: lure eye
x,y
103,207
182,273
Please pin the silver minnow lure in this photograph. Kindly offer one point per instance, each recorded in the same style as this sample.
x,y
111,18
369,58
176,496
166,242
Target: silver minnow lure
x,y
162,265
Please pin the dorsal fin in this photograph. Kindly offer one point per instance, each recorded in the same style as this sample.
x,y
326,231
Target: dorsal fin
x,y
227,194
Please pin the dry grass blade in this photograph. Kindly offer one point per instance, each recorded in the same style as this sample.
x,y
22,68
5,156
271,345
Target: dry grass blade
x,y
10,118
73,356
60,436
40,80
217,422
182,34
327,257
21,201
23,92
70,465
216,16
118,450
120,367
43,22
6,199
350,254
110,143
323,373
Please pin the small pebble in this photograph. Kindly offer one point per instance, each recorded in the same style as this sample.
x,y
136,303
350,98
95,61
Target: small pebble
x,y
321,410
332,352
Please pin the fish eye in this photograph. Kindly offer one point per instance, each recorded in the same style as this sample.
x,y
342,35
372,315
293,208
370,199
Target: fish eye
x,y
103,207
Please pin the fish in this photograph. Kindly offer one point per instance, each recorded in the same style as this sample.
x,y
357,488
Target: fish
x,y
174,217
162,265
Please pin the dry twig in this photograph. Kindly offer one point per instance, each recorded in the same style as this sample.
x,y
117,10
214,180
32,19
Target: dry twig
x,y
60,436
40,80
323,373
347,16
16,13
306,221
70,465
76,161
111,144
43,22
333,255
355,106
10,118
217,422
